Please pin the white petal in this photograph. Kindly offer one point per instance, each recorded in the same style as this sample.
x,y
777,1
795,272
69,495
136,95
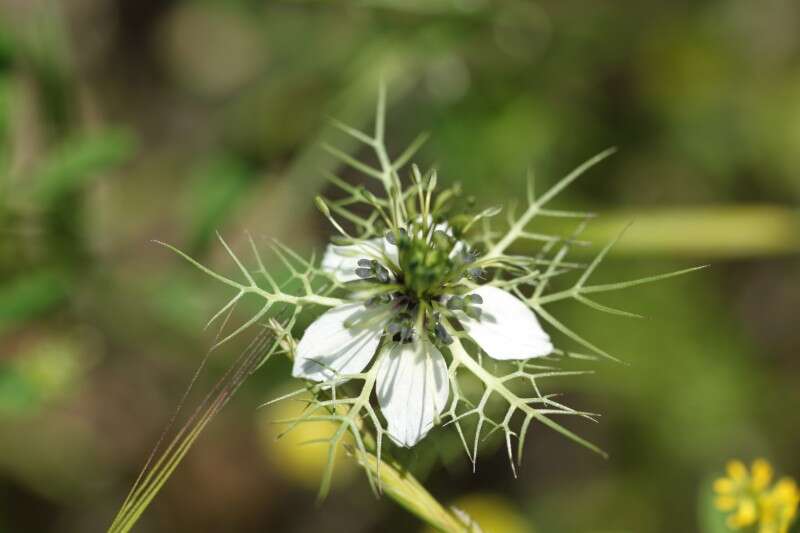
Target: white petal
x,y
329,348
342,261
391,252
412,390
458,247
507,329
443,227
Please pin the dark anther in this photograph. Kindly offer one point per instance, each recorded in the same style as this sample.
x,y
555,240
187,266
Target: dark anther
x,y
370,268
391,238
475,274
364,273
456,303
406,334
468,256
382,274
442,334
473,312
474,298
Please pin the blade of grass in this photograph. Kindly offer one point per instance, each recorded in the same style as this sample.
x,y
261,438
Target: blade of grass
x,y
155,474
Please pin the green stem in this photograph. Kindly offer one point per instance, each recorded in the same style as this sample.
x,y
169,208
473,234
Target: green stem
x,y
411,495
720,232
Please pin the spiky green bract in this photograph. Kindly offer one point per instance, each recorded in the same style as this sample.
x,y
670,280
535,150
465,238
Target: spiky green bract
x,y
447,248
409,197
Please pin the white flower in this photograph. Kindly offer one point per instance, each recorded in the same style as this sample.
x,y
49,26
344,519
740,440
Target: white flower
x,y
412,379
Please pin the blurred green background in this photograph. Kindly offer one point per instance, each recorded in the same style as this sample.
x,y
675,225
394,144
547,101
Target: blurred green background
x,y
127,121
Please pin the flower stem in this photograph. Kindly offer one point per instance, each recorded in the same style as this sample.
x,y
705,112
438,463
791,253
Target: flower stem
x,y
410,494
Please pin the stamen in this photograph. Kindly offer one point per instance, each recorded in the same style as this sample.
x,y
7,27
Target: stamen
x,y
476,274
474,298
473,312
370,268
441,334
456,303
391,238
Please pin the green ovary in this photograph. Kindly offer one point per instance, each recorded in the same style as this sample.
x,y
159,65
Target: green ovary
x,y
426,268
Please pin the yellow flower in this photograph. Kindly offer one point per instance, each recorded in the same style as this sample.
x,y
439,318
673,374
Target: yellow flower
x,y
747,496
780,507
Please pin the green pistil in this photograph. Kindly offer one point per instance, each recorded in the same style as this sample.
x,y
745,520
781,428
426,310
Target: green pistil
x,y
429,264
431,273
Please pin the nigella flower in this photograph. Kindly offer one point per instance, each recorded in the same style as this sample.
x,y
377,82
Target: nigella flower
x,y
407,282
409,307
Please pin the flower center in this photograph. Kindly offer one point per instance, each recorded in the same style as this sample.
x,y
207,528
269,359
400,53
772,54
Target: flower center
x,y
432,267
427,266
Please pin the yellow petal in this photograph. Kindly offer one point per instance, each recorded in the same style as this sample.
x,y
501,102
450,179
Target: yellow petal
x,y
737,471
762,474
786,489
723,485
746,514
788,496
768,527
732,522
725,503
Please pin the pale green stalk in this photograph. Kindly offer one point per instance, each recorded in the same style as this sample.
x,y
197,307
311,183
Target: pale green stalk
x,y
410,494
